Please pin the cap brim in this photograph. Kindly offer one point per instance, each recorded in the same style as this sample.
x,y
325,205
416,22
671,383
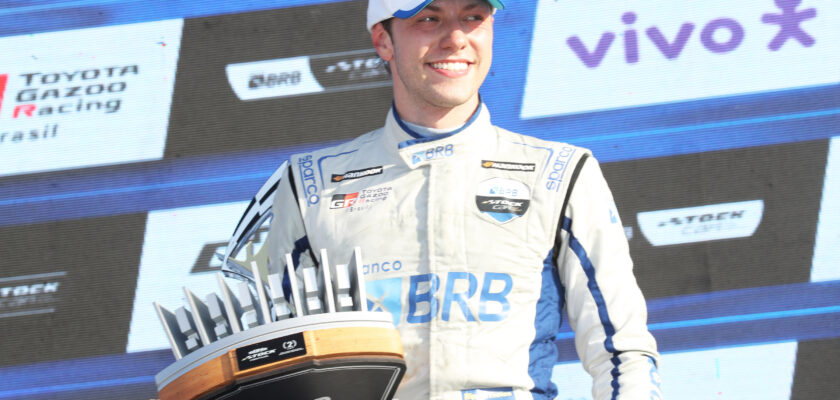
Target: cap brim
x,y
403,14
497,4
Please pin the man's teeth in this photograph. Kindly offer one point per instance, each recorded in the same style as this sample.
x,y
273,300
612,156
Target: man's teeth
x,y
451,66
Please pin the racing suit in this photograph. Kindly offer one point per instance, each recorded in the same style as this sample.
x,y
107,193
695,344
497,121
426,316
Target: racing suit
x,y
474,241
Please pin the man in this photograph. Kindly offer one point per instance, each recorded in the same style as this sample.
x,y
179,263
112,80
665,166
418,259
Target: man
x,y
475,238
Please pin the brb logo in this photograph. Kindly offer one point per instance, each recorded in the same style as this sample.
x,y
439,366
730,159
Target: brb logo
x,y
433,153
456,296
618,53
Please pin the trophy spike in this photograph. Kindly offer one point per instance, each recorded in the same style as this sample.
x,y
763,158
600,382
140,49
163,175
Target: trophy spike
x,y
201,317
177,340
262,298
218,316
278,298
357,274
296,295
231,303
325,282
187,328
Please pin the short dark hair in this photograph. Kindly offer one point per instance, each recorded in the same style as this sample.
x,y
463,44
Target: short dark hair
x,y
386,24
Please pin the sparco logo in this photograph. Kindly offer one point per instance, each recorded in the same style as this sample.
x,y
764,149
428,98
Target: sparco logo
x,y
66,92
558,168
508,166
703,223
720,35
307,176
359,173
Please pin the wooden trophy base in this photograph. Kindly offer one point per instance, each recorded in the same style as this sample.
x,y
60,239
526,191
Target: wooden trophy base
x,y
348,356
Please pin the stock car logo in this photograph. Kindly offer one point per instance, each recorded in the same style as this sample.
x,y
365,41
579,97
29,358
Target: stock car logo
x,y
503,199
356,174
270,351
702,223
296,76
508,166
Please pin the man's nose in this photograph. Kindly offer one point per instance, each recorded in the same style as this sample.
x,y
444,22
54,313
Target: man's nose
x,y
455,37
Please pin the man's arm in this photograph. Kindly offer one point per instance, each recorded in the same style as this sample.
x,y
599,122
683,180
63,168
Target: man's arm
x,y
287,234
604,304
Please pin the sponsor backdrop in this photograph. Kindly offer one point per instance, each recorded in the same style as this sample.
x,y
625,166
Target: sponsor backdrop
x,y
132,135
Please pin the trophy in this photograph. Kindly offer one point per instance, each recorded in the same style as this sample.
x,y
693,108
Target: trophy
x,y
302,334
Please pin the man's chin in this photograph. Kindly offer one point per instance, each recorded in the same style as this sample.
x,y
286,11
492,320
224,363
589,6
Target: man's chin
x,y
452,99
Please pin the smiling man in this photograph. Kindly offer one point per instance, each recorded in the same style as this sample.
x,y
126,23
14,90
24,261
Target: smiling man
x,y
475,238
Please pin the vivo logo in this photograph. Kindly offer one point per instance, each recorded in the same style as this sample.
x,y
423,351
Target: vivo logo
x,y
720,35
617,53
702,223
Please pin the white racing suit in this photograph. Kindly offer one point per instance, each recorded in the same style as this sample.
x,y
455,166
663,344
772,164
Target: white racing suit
x,y
474,241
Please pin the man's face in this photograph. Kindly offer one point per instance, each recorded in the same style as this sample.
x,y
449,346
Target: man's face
x,y
441,56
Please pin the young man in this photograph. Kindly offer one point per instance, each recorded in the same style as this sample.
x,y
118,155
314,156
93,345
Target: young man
x,y
475,238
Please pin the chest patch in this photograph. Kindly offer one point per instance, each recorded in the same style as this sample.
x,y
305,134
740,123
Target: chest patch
x,y
503,199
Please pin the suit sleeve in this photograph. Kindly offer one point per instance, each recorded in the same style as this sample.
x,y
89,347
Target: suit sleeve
x,y
606,309
287,233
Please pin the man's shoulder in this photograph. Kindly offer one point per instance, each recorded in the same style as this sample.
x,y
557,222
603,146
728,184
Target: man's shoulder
x,y
341,149
537,143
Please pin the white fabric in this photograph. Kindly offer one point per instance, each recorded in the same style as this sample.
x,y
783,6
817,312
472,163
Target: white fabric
x,y
474,294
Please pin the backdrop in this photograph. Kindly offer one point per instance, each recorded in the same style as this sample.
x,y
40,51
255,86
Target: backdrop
x,y
133,133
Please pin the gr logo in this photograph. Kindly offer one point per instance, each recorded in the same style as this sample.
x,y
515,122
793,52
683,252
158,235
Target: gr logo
x,y
458,296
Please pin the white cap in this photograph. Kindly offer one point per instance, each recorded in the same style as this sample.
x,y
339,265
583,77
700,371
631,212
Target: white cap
x,y
380,10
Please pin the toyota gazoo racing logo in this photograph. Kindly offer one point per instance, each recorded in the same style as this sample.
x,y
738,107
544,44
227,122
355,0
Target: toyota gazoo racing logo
x,y
361,200
456,295
702,223
432,153
30,96
356,174
47,93
503,199
307,176
508,166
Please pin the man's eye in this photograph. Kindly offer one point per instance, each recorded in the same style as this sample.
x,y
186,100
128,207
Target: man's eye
x,y
428,19
475,18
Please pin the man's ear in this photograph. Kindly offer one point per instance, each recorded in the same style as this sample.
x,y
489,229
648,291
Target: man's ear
x,y
382,42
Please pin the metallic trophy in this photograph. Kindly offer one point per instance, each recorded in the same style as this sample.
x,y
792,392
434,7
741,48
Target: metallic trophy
x,y
305,334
